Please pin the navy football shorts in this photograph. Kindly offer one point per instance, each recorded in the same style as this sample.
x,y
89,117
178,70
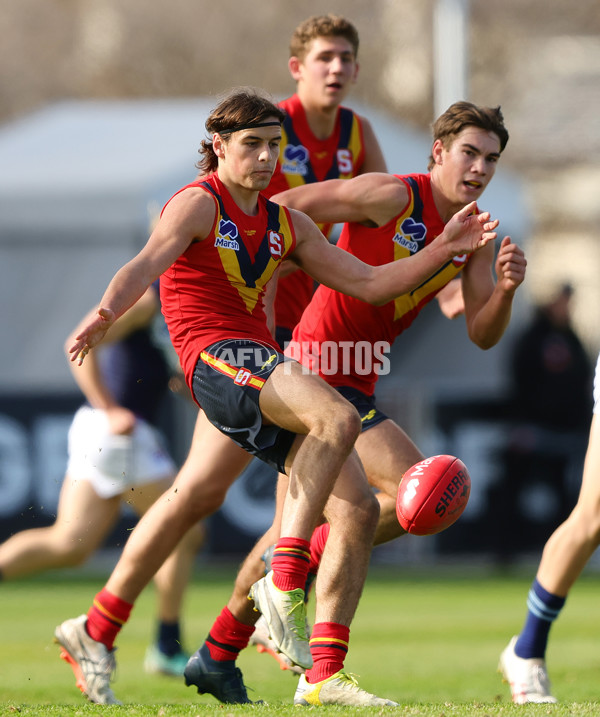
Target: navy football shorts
x,y
227,382
369,414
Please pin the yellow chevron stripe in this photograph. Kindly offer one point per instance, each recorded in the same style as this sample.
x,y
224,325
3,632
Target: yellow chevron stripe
x,y
354,145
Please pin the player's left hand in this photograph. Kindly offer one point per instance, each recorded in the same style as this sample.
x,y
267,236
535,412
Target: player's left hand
x,y
91,334
510,266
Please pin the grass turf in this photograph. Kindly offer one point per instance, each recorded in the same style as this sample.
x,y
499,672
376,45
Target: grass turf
x,y
429,640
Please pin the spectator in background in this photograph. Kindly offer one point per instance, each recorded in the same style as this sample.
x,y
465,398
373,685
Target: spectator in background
x,y
551,370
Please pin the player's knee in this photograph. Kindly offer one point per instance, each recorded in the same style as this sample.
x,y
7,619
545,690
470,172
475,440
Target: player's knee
x,y
206,501
344,425
193,540
591,523
583,525
369,512
71,552
358,516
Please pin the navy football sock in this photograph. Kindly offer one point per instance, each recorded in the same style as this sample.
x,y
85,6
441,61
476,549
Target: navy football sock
x,y
543,609
169,638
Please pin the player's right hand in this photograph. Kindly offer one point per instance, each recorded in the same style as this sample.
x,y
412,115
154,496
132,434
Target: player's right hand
x,y
91,334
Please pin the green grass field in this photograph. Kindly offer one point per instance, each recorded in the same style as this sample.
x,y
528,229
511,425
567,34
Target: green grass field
x,y
429,640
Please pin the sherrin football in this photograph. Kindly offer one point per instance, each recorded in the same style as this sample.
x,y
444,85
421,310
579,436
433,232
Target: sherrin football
x,y
432,495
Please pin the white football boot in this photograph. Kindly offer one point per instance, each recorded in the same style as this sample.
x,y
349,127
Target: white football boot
x,y
260,638
339,689
285,614
527,678
91,661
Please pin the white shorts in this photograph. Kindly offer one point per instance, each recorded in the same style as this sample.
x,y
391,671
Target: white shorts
x,y
597,387
115,463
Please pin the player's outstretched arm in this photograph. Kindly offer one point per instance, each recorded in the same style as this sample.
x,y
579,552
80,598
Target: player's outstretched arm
x,y
343,272
187,217
373,197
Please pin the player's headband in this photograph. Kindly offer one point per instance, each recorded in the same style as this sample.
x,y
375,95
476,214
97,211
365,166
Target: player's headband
x,y
250,125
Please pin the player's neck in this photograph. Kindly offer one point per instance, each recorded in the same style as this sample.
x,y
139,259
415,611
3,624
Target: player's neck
x,y
246,199
321,120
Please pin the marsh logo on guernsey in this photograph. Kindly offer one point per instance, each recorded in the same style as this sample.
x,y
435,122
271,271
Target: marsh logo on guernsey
x,y
228,233
410,235
295,159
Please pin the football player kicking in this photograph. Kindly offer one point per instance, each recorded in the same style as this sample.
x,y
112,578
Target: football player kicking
x,y
390,218
216,247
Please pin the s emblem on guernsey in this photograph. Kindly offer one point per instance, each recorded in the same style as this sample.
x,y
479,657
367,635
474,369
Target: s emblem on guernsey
x,y
460,260
228,233
275,244
295,159
411,233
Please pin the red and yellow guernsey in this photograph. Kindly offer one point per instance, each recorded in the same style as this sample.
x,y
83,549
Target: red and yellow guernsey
x,y
215,289
334,317
304,159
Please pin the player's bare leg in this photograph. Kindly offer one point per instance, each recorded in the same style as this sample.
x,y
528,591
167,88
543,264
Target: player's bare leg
x,y
340,580
572,544
83,521
565,554
253,567
212,465
166,655
326,426
386,453
352,513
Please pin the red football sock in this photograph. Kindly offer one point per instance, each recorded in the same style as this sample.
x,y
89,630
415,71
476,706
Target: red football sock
x,y
106,617
328,647
317,546
227,637
291,557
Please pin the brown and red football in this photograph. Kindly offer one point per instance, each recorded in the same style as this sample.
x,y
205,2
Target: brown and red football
x,y
432,495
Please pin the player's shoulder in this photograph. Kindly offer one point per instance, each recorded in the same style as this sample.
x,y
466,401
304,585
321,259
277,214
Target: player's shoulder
x,y
390,184
194,194
193,205
303,225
